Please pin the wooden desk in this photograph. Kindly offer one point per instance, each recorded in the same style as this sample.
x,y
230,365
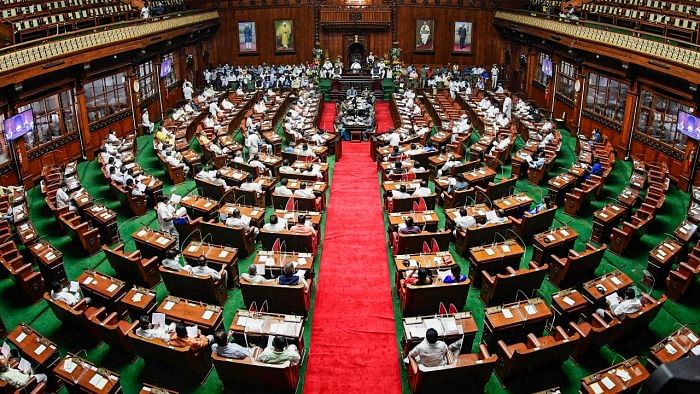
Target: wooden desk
x,y
200,207
148,389
85,377
153,243
137,301
559,186
32,346
686,231
233,176
628,197
513,205
213,254
494,259
611,283
427,219
103,289
388,186
27,233
555,242
661,260
451,328
604,220
407,262
271,162
292,216
674,347
258,326
476,211
274,262
207,317
521,318
105,220
319,188
50,262
568,305
608,380
256,214
438,161
480,177
82,201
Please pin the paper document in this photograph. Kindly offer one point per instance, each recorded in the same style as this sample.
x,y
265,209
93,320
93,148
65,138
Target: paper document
x,y
111,288
168,305
435,324
207,315
530,309
191,331
254,324
40,349
158,319
568,301
670,349
98,381
24,365
596,388
608,383
69,366
21,337
137,297
450,326
615,281
507,313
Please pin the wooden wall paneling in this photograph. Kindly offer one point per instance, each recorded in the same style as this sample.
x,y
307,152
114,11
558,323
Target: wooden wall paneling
x,y
225,48
488,45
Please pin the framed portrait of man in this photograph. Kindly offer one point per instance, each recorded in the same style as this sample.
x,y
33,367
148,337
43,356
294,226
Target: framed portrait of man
x,y
247,39
425,35
462,39
284,36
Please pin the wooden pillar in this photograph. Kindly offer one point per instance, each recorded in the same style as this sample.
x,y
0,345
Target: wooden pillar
x,y
133,81
629,120
89,141
531,68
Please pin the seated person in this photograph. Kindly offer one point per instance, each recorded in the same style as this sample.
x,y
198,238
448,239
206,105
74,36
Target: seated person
x,y
149,330
280,353
65,294
449,164
180,339
204,270
290,278
303,227
431,352
422,277
596,168
238,220
251,185
458,183
408,227
496,216
423,190
463,220
621,307
401,193
275,224
282,189
16,378
225,347
252,275
455,275
172,261
285,168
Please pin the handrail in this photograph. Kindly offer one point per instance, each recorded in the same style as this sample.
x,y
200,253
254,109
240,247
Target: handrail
x,y
633,43
24,55
90,30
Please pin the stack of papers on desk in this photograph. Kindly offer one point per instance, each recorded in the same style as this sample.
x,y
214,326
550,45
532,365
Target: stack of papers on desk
x,y
99,381
282,328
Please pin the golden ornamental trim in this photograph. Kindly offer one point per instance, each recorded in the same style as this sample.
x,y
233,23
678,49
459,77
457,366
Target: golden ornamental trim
x,y
61,48
659,50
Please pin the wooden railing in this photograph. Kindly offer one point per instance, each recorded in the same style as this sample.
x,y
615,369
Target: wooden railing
x,y
23,55
688,56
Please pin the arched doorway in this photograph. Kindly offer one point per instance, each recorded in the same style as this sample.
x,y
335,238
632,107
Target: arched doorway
x,y
357,52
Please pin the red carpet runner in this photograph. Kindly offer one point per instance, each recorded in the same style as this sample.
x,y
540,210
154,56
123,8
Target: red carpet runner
x,y
327,117
383,115
353,337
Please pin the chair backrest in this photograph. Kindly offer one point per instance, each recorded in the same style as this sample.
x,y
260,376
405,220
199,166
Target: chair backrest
x,y
537,223
406,204
293,242
413,243
194,287
133,269
245,197
181,359
248,372
496,190
210,190
300,203
505,287
480,235
220,234
469,371
426,299
551,350
280,298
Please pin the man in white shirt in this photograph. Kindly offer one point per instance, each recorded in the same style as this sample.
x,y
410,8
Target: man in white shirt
x,y
63,200
253,143
430,352
252,275
237,220
508,106
165,213
423,190
275,224
204,270
620,307
282,189
449,164
16,378
305,191
171,159
153,331
500,145
146,124
394,138
463,220
187,90
65,294
251,185
214,109
494,77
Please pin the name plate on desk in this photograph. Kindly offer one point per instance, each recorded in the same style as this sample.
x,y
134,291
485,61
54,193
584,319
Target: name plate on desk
x,y
162,240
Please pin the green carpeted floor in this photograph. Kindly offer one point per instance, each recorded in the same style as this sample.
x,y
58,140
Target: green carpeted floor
x,y
668,320
13,309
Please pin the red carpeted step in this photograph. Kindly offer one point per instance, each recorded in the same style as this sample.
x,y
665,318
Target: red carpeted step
x,y
353,336
327,117
383,116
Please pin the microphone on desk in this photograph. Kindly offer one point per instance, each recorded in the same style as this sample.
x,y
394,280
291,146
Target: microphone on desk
x,y
184,242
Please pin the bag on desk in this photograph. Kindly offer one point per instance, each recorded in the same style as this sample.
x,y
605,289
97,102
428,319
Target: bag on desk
x,y
181,220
